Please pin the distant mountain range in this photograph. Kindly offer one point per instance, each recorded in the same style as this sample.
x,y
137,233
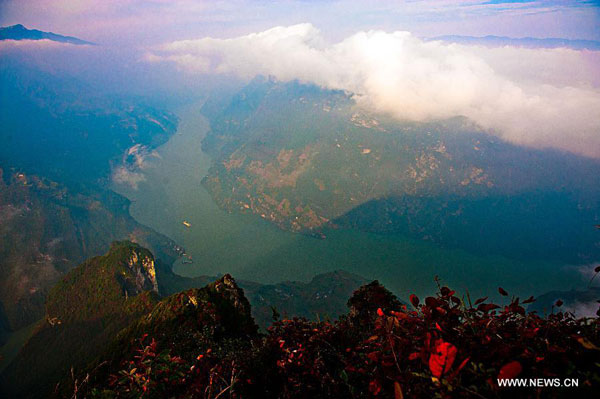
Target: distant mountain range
x,y
71,223
584,303
19,32
530,42
308,159
59,139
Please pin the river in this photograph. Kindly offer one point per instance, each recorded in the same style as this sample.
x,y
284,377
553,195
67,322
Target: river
x,y
250,248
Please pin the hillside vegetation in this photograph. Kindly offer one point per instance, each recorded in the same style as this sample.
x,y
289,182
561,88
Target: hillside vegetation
x,y
47,229
109,334
442,348
87,309
309,159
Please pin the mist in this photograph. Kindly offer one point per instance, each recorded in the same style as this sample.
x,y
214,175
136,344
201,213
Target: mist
x,y
105,69
542,98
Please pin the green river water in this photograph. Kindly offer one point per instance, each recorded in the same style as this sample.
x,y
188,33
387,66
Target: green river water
x,y
250,248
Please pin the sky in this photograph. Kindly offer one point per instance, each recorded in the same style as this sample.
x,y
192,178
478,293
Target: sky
x,y
536,97
151,21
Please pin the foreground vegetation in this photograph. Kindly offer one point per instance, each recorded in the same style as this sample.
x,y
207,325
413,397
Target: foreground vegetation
x,y
110,333
445,346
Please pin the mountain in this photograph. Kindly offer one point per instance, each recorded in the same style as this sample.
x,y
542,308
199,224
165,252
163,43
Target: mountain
x,y
19,32
61,143
321,298
84,312
309,159
128,289
108,333
47,229
583,303
63,129
529,42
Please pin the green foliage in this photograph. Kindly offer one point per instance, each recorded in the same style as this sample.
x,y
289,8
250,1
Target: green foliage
x,y
48,229
84,312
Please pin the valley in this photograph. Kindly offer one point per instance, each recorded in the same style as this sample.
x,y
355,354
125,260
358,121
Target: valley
x,y
251,248
299,199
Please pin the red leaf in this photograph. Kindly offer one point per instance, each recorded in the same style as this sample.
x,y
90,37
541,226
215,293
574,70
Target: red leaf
x,y
486,307
529,300
374,387
379,312
398,391
400,315
477,302
559,303
463,364
502,291
431,302
510,370
414,300
460,367
373,356
442,359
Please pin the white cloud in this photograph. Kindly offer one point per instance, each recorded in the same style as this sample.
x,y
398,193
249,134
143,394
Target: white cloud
x,y
583,309
534,97
588,273
30,45
135,161
124,176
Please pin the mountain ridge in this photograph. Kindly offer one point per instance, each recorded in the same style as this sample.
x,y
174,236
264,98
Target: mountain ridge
x,y
528,42
84,311
202,341
124,291
308,159
20,32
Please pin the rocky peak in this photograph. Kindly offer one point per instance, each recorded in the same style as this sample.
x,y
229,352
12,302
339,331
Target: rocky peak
x,y
141,264
368,298
104,285
228,289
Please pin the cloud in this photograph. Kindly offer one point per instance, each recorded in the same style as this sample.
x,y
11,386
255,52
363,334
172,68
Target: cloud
x,y
134,162
36,44
582,309
588,273
138,156
124,176
131,22
533,97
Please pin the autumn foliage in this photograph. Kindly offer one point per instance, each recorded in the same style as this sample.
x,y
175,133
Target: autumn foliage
x,y
440,347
